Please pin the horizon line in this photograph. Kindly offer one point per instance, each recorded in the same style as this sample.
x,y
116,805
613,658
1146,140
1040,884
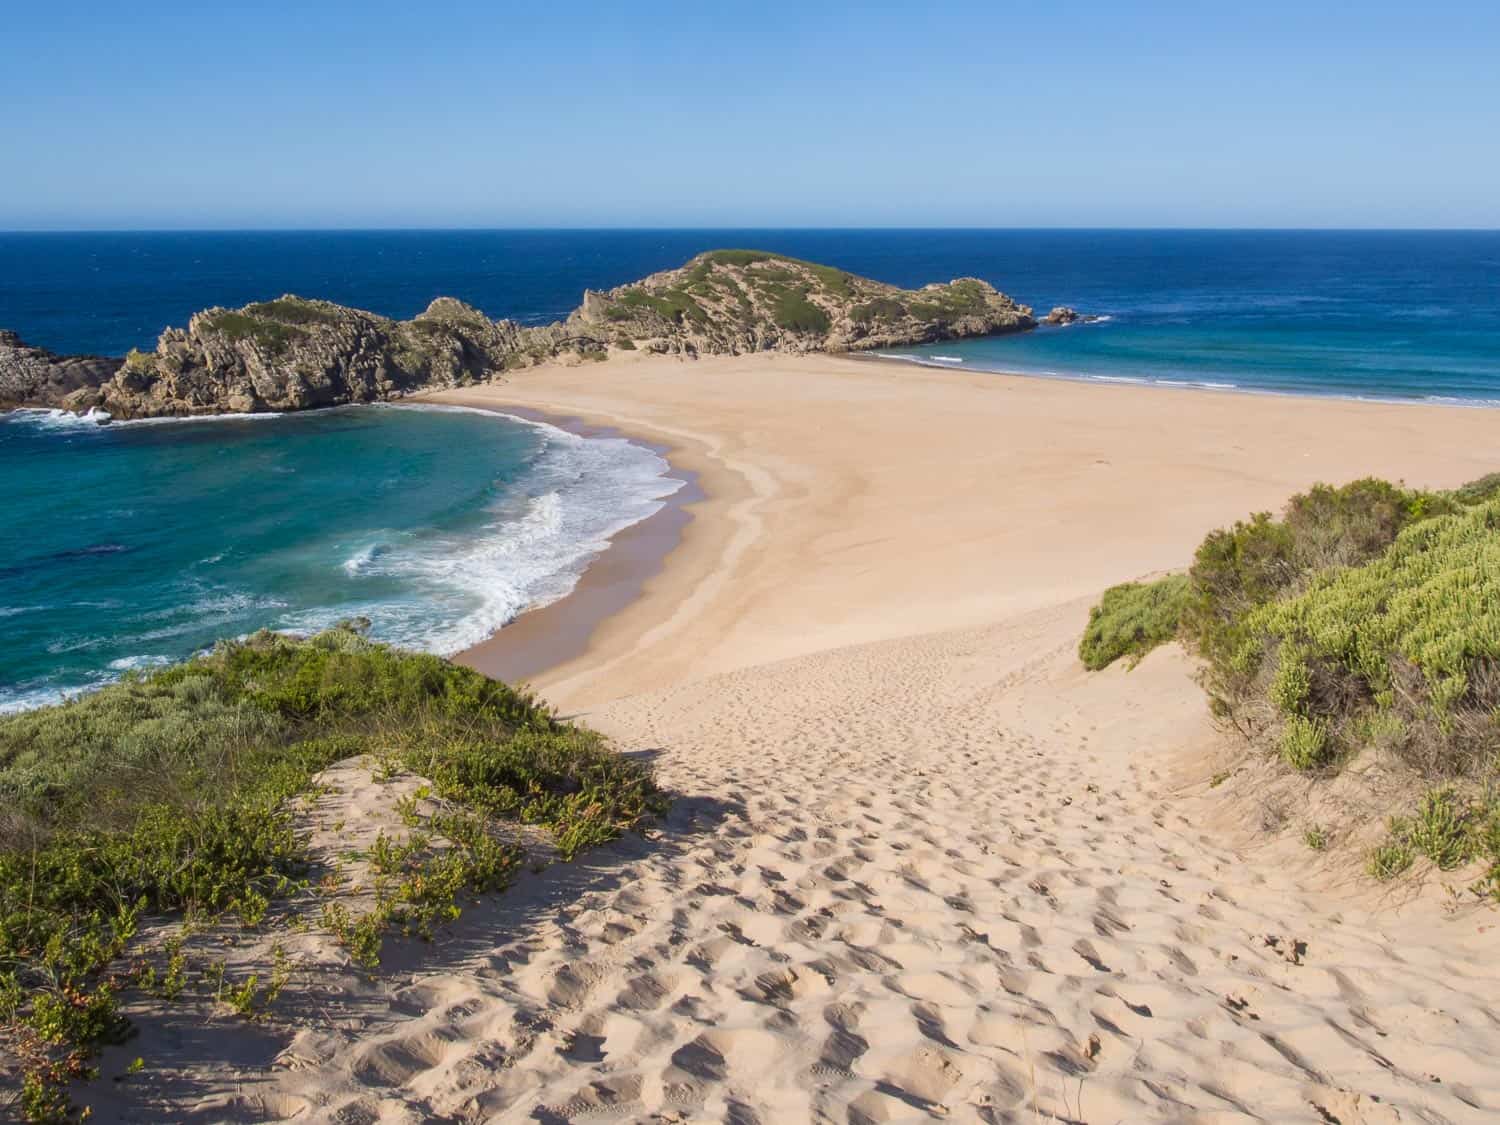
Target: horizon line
x,y
737,229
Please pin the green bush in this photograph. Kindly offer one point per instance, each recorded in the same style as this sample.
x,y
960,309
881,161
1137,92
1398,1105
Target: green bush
x,y
1304,742
295,310
168,794
879,309
1132,619
795,313
1479,491
272,336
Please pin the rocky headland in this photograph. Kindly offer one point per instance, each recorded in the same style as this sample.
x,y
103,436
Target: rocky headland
x,y
294,354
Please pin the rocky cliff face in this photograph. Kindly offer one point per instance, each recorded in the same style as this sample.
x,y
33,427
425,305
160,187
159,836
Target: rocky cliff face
x,y
36,377
294,354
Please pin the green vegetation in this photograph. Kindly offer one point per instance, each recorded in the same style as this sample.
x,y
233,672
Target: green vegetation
x,y
795,313
1366,617
1450,830
173,795
743,257
142,363
879,309
1132,619
944,304
294,310
270,335
672,304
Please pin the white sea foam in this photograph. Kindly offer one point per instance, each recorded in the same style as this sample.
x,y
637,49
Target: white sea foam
x,y
359,562
579,493
60,419
135,663
260,417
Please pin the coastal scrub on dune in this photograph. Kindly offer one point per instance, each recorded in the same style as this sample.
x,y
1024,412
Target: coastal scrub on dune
x,y
175,802
1365,620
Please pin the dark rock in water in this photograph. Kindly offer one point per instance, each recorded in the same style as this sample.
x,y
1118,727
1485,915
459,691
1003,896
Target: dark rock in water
x,y
32,376
294,354
1066,314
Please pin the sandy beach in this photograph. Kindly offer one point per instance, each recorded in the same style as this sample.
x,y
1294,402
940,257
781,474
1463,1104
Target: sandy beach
x,y
921,865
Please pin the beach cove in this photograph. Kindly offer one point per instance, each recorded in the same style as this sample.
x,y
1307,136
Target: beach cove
x,y
920,864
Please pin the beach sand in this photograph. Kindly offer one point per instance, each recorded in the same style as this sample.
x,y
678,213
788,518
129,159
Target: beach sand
x,y
921,865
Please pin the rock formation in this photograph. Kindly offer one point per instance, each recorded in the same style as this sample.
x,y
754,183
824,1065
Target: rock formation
x,y
738,301
1064,315
36,377
294,354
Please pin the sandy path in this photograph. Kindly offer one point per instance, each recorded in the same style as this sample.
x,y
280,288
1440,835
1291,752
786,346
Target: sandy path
x,y
934,877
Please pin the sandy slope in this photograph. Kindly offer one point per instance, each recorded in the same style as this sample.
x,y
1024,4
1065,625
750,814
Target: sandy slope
x,y
922,865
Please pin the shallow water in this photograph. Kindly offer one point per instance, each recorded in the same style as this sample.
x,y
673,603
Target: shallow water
x,y
134,544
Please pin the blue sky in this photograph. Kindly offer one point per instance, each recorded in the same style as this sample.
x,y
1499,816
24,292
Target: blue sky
x,y
721,113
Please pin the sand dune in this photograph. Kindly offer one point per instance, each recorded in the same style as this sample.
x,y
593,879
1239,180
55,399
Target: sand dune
x,y
921,865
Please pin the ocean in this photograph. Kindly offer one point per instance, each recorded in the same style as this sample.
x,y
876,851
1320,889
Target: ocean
x,y
136,544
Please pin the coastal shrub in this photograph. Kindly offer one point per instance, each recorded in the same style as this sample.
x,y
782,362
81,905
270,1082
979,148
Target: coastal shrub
x,y
742,257
271,335
295,310
1366,617
1479,491
139,362
1448,828
879,309
169,795
1239,569
1416,632
795,313
672,304
1133,618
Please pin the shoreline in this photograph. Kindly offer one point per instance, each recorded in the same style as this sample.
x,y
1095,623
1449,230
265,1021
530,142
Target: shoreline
x,y
962,367
777,443
546,636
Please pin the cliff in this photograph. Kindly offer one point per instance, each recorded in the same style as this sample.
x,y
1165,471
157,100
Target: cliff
x,y
294,354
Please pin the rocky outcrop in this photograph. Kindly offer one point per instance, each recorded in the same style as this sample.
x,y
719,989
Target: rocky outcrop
x,y
739,301
36,377
1063,315
294,354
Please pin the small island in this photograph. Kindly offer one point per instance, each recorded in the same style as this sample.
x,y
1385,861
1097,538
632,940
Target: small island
x,y
293,353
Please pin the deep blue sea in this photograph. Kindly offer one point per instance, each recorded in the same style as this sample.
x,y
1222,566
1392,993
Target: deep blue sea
x,y
134,544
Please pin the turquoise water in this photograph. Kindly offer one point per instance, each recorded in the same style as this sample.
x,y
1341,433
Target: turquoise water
x,y
130,545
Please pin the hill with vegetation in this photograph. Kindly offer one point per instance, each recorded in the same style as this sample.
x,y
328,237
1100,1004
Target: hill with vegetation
x,y
157,828
1364,623
292,353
